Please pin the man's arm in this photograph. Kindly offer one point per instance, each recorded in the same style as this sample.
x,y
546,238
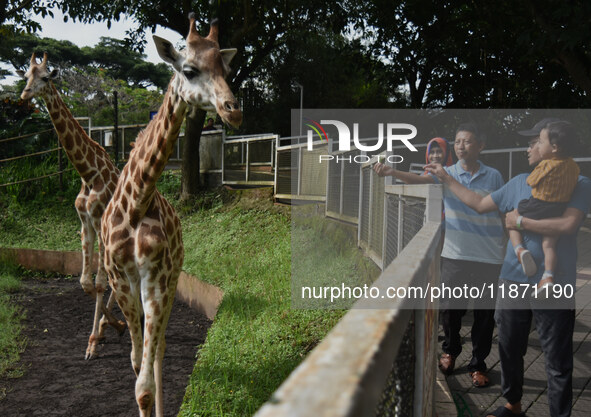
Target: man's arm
x,y
407,177
470,198
566,224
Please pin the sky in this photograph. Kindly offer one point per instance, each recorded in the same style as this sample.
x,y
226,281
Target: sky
x,y
89,34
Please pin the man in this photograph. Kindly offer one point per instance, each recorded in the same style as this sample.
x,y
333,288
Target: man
x,y
514,314
472,251
209,125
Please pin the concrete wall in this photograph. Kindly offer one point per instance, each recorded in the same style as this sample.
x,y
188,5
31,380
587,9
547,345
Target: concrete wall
x,y
199,295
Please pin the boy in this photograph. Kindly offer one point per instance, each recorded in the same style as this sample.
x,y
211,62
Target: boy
x,y
552,182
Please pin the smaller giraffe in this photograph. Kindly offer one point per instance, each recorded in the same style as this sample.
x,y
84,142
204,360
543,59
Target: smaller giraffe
x,y
142,233
99,178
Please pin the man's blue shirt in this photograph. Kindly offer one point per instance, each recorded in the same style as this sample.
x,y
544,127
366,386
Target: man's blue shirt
x,y
470,236
507,198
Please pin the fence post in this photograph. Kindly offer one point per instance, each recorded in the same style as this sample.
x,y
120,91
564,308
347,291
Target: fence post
x,y
342,189
299,177
224,158
276,166
400,224
370,208
247,160
361,197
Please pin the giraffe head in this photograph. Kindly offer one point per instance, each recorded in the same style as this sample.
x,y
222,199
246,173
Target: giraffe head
x,y
201,69
38,78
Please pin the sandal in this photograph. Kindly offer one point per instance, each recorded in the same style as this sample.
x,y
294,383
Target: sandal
x,y
479,380
505,412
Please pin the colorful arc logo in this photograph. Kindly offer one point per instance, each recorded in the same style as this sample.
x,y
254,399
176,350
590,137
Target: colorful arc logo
x,y
315,128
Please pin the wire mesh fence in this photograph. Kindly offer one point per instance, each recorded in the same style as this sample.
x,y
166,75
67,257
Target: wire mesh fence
x,y
342,196
303,174
371,226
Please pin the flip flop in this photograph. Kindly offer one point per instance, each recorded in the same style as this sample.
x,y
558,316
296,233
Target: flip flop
x,y
479,380
505,412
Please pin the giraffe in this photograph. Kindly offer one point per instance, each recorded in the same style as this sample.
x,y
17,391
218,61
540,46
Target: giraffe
x,y
99,178
141,231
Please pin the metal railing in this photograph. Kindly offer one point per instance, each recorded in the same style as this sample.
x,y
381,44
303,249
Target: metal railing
x,y
249,160
342,187
103,135
301,174
380,358
371,213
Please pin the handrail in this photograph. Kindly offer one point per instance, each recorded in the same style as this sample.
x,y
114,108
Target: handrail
x,y
345,374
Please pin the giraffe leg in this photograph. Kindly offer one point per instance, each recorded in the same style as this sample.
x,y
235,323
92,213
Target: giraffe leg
x,y
109,319
162,346
101,284
132,312
99,289
87,236
145,385
158,376
94,336
157,298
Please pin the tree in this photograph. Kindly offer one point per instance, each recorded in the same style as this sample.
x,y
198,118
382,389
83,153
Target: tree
x,y
15,18
109,54
333,71
461,53
15,15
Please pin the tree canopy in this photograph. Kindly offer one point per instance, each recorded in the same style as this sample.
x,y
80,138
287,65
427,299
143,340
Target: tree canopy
x,y
110,55
483,54
357,53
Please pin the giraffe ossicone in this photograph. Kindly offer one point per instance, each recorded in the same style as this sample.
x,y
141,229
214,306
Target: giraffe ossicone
x,y
141,231
99,177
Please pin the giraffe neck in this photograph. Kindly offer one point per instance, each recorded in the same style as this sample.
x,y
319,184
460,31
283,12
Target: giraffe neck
x,y
80,148
154,147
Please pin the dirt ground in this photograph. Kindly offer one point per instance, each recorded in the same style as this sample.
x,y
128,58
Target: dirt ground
x,y
59,382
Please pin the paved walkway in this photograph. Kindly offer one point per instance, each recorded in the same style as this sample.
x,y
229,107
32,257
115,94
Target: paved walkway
x,y
473,401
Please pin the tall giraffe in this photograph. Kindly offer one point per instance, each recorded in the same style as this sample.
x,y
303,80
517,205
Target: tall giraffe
x,y
140,229
99,179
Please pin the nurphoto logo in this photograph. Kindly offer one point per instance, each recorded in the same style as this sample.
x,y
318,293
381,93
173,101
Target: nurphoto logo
x,y
391,132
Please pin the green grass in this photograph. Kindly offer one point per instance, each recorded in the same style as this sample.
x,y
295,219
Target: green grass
x,y
52,224
257,339
245,248
12,342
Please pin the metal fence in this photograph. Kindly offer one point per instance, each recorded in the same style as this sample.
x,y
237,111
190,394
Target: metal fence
x,y
380,358
249,160
301,174
105,136
508,161
342,187
371,214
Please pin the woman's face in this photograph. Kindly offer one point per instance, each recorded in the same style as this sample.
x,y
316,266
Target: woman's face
x,y
435,155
